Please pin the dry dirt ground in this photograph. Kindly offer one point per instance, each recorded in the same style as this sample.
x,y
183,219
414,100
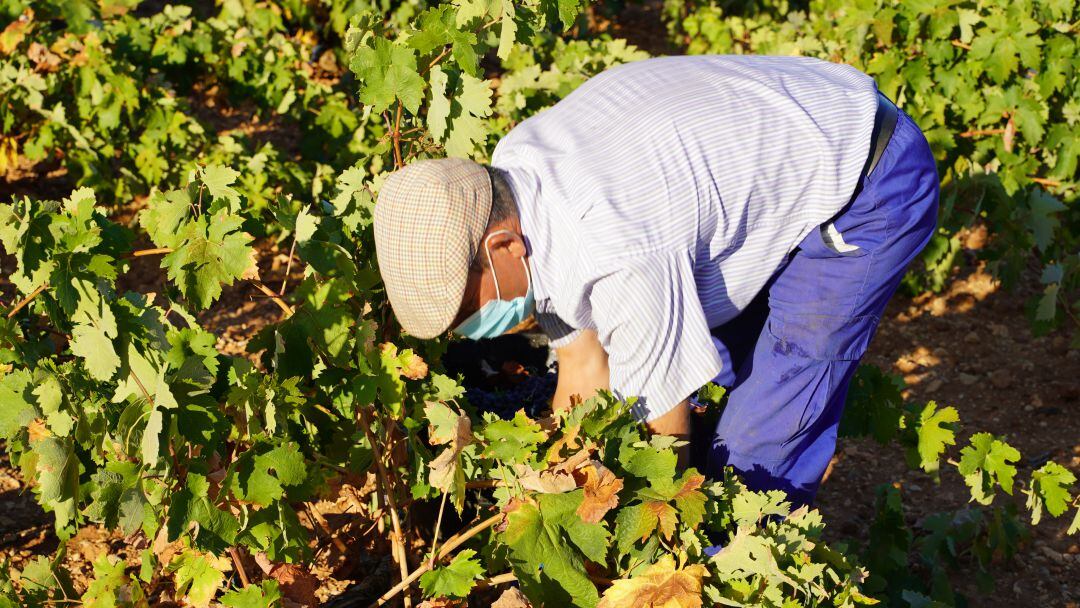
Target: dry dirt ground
x,y
971,347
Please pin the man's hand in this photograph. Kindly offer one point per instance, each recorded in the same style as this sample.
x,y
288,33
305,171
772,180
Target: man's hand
x,y
583,369
676,423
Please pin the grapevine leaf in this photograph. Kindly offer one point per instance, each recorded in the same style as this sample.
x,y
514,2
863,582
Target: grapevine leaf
x,y
353,202
57,477
751,508
1050,489
273,471
198,576
265,595
218,181
513,440
1074,527
456,579
112,587
18,409
661,584
747,555
473,9
651,462
638,522
389,73
448,427
508,31
439,106
96,350
165,213
933,431
437,28
601,489
1042,218
987,461
551,571
210,253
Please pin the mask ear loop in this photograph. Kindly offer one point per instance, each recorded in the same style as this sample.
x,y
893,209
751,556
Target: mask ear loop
x,y
495,275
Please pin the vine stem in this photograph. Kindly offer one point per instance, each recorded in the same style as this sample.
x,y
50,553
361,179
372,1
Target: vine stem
x,y
505,577
396,538
235,555
448,547
438,524
978,132
273,296
1042,181
156,251
26,300
397,137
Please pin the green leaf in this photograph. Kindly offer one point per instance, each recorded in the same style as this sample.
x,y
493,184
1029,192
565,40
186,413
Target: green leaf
x,y
96,350
438,27
456,579
211,252
1042,209
986,462
439,106
165,213
550,569
1050,489
269,475
933,430
112,587
265,595
389,73
198,576
511,441
218,181
15,395
57,478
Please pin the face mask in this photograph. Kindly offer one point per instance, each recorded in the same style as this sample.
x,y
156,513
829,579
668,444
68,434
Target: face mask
x,y
497,316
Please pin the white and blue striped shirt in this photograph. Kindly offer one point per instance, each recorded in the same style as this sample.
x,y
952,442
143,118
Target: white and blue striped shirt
x,y
659,197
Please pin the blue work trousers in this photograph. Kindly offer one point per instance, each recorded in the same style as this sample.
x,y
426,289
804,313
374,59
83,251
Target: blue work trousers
x,y
792,353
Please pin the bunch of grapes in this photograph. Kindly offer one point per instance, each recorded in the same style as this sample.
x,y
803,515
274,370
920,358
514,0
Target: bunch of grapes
x,y
532,393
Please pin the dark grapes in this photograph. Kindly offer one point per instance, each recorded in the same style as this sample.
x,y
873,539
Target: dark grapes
x,y
533,394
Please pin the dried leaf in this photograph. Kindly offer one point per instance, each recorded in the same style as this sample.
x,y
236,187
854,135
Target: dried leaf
x,y
37,430
547,482
296,583
412,366
660,586
512,598
443,602
602,489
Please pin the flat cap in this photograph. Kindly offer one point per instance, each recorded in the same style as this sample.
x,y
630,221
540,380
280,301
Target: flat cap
x,y
429,220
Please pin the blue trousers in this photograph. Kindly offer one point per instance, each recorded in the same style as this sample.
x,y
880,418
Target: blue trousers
x,y
792,353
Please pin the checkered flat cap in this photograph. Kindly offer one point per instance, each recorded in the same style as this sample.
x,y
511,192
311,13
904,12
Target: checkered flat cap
x,y
429,220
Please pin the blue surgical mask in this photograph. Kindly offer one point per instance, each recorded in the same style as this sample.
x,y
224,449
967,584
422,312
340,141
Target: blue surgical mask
x,y
498,316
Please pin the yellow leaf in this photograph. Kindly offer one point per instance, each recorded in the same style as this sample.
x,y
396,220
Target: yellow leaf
x,y
660,586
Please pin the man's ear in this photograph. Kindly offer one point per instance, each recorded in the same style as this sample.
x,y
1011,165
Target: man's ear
x,y
509,241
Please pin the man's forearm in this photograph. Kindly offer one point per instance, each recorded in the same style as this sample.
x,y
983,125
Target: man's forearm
x,y
583,370
675,422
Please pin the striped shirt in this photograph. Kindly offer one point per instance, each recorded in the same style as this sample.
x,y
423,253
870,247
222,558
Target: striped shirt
x,y
658,198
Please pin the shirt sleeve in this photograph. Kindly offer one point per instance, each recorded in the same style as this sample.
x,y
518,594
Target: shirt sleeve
x,y
558,332
651,323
